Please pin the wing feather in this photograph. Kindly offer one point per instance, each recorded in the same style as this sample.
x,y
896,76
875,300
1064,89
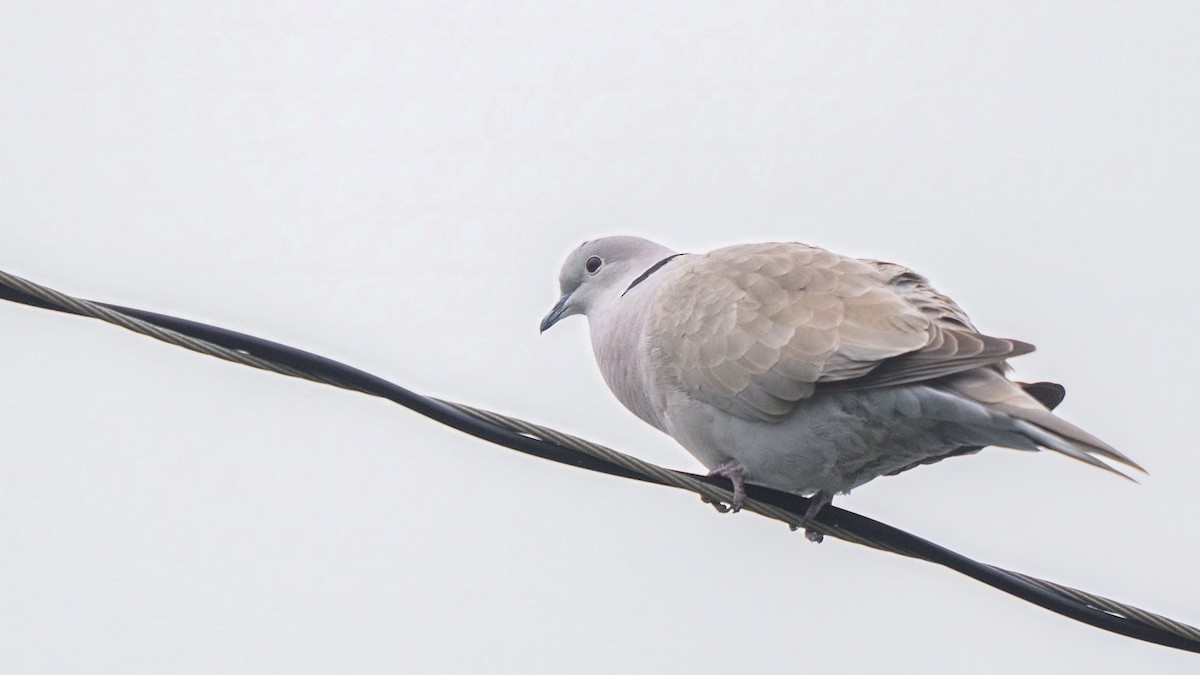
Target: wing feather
x,y
755,329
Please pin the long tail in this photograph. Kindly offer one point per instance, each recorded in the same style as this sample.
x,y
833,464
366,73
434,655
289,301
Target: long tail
x,y
1035,422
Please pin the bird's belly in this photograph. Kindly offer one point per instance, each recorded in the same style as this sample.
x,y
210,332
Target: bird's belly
x,y
832,442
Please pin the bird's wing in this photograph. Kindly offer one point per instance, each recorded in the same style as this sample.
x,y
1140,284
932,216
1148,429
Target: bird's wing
x,y
754,329
919,293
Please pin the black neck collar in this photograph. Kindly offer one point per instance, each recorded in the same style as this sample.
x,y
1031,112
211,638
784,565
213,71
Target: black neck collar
x,y
652,269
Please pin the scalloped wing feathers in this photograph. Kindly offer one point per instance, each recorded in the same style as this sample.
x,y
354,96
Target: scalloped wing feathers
x,y
754,329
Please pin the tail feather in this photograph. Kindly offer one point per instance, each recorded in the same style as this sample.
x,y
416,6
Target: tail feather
x,y
1066,447
1035,420
1057,426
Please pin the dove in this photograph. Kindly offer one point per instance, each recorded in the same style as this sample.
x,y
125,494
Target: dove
x,y
796,368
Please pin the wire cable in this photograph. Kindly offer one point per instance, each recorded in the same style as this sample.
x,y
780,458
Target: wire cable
x,y
559,447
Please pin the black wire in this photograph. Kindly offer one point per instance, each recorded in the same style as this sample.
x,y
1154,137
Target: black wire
x,y
862,526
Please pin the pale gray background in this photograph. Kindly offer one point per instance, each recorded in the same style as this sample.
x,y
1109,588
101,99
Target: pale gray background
x,y
396,184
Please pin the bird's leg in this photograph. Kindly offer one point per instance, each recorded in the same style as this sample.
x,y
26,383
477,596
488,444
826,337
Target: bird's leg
x,y
732,469
815,503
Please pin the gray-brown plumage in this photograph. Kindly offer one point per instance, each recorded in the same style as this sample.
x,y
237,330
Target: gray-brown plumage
x,y
790,366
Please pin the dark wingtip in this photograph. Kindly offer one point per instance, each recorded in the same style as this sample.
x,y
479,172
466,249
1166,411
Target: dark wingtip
x,y
1049,394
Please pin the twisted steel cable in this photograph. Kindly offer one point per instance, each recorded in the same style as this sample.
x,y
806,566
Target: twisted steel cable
x,y
557,446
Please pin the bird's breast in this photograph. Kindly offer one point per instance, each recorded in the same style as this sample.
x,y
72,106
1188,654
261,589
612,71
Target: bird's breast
x,y
617,342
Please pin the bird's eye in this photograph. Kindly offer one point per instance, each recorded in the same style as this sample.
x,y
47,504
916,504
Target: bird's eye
x,y
593,263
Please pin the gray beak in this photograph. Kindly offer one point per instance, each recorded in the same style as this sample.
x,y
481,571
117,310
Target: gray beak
x,y
556,313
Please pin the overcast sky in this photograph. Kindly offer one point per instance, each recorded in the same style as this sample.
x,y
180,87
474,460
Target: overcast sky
x,y
396,184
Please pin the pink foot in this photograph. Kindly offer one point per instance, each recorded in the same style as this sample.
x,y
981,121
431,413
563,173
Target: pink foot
x,y
815,504
732,469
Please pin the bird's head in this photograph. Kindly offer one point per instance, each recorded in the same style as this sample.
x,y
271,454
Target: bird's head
x,y
599,271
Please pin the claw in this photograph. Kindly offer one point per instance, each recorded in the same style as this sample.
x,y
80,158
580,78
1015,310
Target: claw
x,y
721,508
732,469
